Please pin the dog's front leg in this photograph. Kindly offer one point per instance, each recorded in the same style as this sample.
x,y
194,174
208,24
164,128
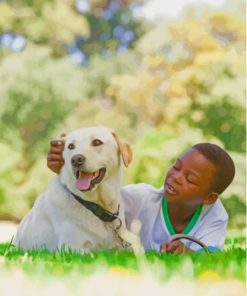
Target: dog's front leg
x,y
73,238
132,236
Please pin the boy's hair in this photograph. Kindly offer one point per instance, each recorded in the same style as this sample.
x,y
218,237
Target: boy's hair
x,y
223,162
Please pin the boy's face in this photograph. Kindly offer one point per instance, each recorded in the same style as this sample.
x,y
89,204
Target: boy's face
x,y
189,180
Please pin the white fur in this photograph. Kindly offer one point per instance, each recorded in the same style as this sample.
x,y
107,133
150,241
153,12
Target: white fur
x,y
58,220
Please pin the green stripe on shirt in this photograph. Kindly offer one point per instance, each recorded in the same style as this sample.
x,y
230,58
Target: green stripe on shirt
x,y
190,225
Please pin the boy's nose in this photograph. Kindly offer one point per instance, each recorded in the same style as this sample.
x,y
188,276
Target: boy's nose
x,y
178,178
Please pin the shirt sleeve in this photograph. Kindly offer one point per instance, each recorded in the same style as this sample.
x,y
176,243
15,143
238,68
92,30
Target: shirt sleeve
x,y
134,200
142,202
213,236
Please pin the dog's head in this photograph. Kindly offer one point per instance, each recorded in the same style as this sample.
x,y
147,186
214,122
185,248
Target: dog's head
x,y
93,155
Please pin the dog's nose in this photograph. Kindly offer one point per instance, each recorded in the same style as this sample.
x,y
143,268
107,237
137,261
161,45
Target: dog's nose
x,y
78,159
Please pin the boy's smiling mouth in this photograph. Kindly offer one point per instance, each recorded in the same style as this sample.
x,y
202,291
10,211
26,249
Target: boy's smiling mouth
x,y
170,189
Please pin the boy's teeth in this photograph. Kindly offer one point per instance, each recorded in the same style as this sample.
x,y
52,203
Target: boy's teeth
x,y
171,188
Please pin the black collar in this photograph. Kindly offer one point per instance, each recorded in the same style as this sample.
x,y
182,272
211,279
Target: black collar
x,y
96,209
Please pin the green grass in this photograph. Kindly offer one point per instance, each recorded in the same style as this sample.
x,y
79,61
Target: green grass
x,y
229,263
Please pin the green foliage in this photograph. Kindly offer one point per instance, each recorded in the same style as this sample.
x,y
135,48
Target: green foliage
x,y
218,104
228,263
98,75
225,120
157,151
102,38
35,104
36,118
19,187
234,196
57,23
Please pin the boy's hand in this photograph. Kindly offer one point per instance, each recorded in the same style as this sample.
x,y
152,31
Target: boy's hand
x,y
55,159
175,247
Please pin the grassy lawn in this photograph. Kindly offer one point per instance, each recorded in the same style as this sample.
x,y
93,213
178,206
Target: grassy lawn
x,y
113,273
229,263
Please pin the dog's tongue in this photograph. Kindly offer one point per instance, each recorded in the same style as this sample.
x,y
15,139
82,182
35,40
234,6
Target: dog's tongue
x,y
84,181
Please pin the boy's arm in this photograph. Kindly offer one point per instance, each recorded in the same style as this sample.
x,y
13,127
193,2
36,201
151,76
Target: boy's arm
x,y
55,159
213,236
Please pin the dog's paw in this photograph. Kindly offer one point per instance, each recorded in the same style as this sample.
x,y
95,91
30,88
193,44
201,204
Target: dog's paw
x,y
87,245
133,239
135,226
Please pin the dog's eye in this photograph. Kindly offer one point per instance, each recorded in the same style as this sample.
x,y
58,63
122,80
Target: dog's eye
x,y
71,146
97,142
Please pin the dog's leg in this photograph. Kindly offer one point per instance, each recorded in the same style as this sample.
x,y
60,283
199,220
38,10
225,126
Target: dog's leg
x,y
133,236
74,238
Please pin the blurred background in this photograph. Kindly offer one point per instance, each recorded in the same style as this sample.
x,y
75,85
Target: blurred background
x,y
164,74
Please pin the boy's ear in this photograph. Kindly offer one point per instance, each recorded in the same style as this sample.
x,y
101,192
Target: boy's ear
x,y
211,198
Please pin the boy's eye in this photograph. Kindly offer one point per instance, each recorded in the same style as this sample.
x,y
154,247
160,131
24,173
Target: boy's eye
x,y
175,168
97,142
71,146
191,181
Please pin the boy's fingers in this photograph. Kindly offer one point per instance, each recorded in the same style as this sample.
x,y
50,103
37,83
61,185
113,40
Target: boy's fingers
x,y
173,246
56,143
178,247
55,163
163,248
54,166
54,157
178,250
56,150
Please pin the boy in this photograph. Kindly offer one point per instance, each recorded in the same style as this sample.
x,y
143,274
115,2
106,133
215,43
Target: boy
x,y
187,203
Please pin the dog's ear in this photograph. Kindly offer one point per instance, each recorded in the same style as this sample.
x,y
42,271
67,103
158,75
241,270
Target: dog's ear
x,y
125,150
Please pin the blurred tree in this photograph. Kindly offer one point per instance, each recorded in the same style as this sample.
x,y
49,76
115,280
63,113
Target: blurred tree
x,y
217,100
98,75
53,23
215,85
83,28
191,71
35,101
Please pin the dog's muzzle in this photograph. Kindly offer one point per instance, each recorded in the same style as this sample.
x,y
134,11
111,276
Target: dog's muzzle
x,y
85,180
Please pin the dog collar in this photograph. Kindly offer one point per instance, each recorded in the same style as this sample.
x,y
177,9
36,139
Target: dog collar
x,y
96,209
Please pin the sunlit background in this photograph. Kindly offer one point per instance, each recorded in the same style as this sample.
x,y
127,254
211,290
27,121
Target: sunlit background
x,y
164,74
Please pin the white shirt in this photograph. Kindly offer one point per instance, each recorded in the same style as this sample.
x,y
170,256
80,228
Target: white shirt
x,y
146,203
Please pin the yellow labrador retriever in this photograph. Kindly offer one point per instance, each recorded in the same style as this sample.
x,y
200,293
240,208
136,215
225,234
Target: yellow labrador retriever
x,y
82,207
